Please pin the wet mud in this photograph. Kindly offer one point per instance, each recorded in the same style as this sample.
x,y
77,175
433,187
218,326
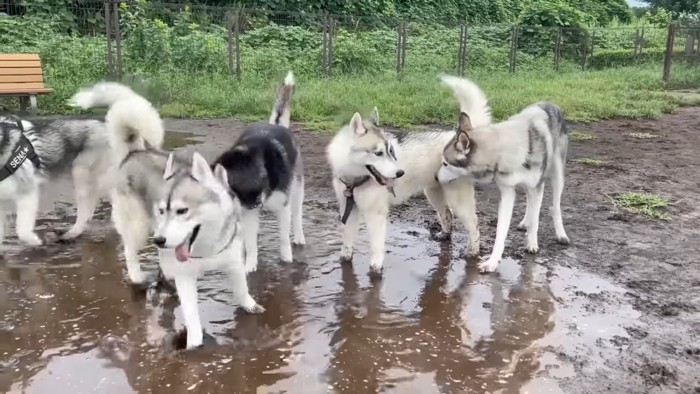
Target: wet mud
x,y
616,311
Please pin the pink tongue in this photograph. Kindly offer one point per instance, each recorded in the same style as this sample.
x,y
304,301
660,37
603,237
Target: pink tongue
x,y
389,182
182,252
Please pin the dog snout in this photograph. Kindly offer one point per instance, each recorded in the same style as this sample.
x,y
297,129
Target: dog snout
x,y
159,241
399,173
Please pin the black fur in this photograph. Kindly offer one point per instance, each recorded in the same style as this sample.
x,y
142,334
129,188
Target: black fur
x,y
263,160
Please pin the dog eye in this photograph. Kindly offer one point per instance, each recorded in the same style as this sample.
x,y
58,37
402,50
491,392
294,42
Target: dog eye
x,y
181,211
380,153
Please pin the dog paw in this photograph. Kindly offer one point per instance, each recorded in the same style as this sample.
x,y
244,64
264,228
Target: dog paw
x,y
522,226
564,240
441,236
375,272
346,255
299,240
532,249
31,239
488,265
138,278
254,310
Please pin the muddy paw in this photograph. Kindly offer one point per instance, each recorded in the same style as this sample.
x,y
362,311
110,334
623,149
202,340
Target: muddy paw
x,y
441,236
254,310
31,239
488,265
532,249
564,240
346,255
522,226
250,267
376,272
299,241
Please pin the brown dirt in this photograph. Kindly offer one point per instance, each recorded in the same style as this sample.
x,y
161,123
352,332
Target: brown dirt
x,y
617,311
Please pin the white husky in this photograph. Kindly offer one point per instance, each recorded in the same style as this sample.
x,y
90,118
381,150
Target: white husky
x,y
373,169
521,151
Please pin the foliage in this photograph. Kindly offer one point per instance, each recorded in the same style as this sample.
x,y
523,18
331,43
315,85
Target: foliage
x,y
677,7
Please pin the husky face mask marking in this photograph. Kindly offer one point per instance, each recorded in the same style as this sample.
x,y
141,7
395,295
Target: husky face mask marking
x,y
455,156
188,198
375,150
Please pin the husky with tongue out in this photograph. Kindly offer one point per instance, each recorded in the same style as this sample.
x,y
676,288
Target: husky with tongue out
x,y
374,169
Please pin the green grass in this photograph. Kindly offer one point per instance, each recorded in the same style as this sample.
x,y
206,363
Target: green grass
x,y
643,136
650,205
590,161
325,103
577,135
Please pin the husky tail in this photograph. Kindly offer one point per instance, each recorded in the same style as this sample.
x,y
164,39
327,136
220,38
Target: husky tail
x,y
133,122
282,111
472,100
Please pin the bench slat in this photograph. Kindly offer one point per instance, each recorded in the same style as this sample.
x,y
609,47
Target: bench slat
x,y
19,56
21,86
20,78
20,64
20,71
25,92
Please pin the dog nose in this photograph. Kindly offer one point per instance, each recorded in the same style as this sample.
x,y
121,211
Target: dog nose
x,y
399,173
159,241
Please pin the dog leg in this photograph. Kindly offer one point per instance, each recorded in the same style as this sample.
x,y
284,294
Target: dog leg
x,y
351,227
86,199
461,198
557,178
505,213
132,224
187,293
249,224
522,226
534,204
284,221
237,275
27,208
297,201
376,226
436,197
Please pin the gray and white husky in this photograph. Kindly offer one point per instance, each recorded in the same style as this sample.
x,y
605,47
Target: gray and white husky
x,y
32,153
523,150
189,208
374,169
265,170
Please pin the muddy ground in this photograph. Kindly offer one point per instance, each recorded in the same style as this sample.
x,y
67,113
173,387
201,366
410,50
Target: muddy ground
x,y
616,311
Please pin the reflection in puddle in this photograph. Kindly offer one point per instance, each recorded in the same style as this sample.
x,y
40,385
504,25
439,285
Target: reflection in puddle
x,y
433,324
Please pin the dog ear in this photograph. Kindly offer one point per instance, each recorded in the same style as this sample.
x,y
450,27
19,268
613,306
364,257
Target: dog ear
x,y
465,124
200,168
169,166
374,117
221,175
356,125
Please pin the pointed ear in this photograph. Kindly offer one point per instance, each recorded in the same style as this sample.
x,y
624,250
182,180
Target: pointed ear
x,y
221,175
374,117
169,166
356,125
200,168
465,123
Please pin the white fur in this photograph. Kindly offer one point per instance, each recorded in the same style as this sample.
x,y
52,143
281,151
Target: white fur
x,y
472,100
420,159
505,146
286,112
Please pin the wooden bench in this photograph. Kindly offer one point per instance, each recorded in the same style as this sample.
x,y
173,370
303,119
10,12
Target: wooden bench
x,y
21,75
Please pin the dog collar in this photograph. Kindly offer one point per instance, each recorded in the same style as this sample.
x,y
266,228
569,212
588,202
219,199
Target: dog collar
x,y
22,151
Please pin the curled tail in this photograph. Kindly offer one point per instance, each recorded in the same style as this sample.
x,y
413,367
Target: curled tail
x,y
282,111
472,100
133,122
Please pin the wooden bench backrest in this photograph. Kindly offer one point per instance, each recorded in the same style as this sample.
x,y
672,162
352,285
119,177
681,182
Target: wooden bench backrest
x,y
21,72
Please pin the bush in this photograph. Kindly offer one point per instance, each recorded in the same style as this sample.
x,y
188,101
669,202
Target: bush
x,y
616,58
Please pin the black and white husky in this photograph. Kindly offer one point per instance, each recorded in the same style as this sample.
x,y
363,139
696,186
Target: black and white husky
x,y
265,171
524,150
32,153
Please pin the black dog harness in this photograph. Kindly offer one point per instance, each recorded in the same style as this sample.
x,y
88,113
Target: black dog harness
x,y
349,194
22,151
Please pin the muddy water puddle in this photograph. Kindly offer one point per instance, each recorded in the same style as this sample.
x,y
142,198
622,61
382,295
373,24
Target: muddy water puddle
x,y
70,324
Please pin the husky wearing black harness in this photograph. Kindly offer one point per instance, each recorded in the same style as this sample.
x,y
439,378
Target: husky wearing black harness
x,y
34,152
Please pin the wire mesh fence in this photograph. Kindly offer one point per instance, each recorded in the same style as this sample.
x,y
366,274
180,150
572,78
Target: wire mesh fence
x,y
130,37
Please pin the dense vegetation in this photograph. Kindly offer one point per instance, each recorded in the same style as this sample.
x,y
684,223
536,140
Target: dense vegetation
x,y
181,54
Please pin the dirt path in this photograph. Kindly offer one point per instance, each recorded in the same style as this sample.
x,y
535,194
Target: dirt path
x,y
617,311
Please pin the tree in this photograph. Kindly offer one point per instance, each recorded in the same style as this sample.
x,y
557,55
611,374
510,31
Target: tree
x,y
676,6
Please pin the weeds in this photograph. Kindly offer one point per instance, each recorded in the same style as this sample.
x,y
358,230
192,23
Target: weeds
x,y
590,161
643,136
581,136
650,205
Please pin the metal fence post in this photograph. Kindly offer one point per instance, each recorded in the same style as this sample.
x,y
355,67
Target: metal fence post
x,y
118,37
668,55
331,32
400,47
108,28
513,48
237,34
462,56
229,41
557,50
